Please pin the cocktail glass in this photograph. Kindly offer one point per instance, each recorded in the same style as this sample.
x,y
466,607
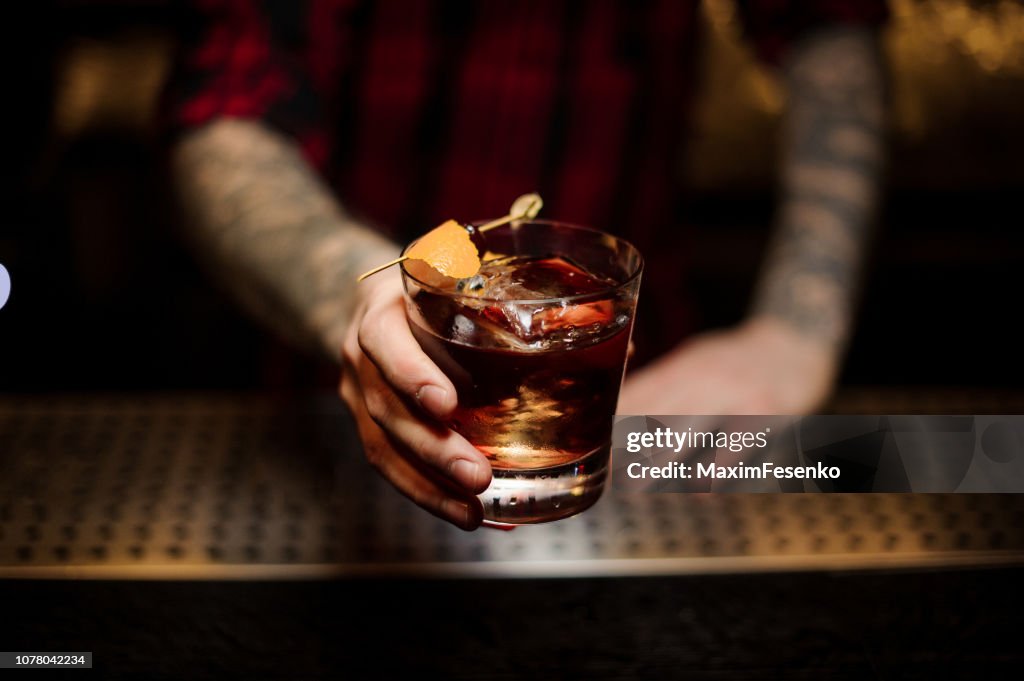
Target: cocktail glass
x,y
536,346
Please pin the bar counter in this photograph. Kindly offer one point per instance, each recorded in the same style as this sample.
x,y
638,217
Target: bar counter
x,y
196,535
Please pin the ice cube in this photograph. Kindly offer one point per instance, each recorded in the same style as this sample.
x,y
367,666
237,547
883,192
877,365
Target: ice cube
x,y
571,323
500,296
477,330
463,330
472,285
498,283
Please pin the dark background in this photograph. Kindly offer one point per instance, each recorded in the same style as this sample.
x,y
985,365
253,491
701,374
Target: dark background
x,y
794,626
105,295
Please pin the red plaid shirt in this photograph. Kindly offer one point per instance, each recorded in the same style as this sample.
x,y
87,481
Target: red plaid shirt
x,y
421,110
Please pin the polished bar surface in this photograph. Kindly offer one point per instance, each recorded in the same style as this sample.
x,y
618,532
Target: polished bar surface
x,y
199,487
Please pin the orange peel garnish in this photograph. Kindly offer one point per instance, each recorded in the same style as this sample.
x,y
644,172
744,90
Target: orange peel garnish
x,y
448,249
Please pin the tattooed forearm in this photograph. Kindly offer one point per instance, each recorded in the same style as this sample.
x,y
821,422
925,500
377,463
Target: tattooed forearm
x,y
273,231
831,165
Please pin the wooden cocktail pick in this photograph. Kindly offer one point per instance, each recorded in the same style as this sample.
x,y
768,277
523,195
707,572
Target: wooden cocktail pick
x,y
526,207
448,248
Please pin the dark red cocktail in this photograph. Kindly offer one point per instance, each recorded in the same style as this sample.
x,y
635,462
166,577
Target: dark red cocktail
x,y
535,345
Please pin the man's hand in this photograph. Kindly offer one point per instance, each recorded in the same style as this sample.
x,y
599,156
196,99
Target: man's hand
x,y
399,399
275,233
760,367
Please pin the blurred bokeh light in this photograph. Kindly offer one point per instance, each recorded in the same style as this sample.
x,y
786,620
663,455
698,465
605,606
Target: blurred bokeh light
x,y
956,70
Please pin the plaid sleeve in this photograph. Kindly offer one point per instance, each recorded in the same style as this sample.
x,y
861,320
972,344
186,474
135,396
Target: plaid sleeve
x,y
243,59
773,25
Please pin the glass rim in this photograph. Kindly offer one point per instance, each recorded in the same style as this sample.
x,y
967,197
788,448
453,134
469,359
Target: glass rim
x,y
578,297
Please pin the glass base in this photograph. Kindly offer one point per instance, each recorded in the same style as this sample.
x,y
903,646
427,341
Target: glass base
x,y
520,497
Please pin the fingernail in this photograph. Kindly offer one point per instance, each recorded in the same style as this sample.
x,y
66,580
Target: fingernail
x,y
434,400
458,512
466,472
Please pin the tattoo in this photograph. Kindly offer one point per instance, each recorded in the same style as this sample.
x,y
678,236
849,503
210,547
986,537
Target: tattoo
x,y
831,168
273,232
